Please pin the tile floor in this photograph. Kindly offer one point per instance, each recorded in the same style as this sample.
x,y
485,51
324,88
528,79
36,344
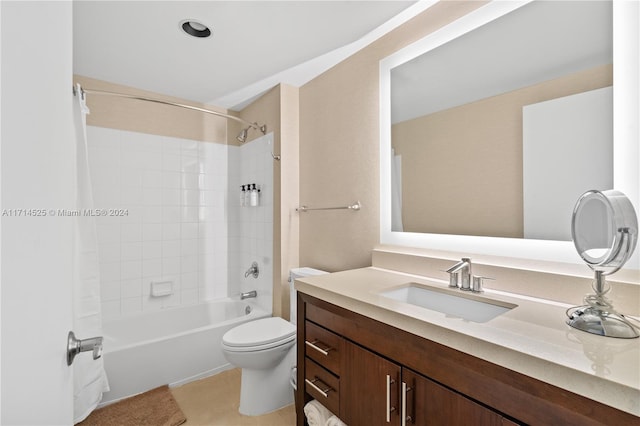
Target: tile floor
x,y
214,401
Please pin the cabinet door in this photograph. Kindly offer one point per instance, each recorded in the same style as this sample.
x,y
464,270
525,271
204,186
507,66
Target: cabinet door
x,y
368,388
428,403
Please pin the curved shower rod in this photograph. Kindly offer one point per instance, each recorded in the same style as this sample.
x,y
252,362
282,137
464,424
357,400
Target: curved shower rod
x,y
262,128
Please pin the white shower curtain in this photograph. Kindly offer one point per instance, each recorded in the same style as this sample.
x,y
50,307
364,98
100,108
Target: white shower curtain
x,y
90,379
396,192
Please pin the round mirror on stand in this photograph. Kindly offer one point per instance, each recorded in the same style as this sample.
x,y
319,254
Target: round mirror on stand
x,y
604,228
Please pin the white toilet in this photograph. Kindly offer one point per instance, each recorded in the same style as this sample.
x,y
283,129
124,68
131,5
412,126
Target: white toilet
x,y
265,350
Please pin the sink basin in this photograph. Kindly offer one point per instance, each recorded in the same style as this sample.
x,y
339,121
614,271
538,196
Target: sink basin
x,y
453,303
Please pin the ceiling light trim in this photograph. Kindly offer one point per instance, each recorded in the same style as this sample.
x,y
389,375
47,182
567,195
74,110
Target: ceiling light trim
x,y
195,28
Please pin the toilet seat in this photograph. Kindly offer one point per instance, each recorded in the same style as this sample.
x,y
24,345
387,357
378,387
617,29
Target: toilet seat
x,y
259,335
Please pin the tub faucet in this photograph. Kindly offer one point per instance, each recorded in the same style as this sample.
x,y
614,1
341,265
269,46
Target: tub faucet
x,y
253,270
248,294
462,268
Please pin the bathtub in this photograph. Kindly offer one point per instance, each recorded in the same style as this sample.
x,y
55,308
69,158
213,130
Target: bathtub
x,y
171,346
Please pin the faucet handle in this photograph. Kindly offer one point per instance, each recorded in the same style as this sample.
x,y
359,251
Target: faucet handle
x,y
453,279
477,285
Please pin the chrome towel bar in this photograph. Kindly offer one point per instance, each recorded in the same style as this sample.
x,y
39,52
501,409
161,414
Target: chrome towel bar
x,y
355,207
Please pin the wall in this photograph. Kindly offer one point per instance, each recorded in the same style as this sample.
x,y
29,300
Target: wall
x,y
339,139
438,145
277,109
173,226
179,219
151,118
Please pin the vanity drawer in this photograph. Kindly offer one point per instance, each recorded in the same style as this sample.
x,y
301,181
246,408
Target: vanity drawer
x,y
323,346
322,386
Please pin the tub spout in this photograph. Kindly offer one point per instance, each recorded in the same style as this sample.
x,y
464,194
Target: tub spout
x,y
248,294
253,270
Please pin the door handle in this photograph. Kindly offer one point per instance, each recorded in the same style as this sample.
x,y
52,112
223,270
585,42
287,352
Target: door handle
x,y
405,417
75,346
390,409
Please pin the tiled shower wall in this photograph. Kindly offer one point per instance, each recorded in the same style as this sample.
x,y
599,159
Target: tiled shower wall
x,y
251,228
175,222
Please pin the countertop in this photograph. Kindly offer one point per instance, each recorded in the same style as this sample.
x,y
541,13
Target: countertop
x,y
532,339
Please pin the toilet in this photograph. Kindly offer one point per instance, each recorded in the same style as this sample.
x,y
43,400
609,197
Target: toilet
x,y
265,351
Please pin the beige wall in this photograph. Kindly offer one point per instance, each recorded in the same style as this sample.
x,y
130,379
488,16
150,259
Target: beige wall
x,y
339,154
146,117
462,167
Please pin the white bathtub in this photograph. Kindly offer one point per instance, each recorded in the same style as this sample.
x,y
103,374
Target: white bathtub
x,y
172,346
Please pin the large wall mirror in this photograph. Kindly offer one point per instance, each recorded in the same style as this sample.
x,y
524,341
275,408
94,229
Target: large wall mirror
x,y
493,126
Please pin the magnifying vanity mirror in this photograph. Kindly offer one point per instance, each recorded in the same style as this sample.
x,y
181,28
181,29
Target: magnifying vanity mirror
x,y
604,227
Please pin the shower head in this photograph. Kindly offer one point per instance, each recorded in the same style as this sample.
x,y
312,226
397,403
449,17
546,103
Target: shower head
x,y
244,133
242,136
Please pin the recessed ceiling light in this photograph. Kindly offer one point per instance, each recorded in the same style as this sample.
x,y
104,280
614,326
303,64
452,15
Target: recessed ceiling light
x,y
195,28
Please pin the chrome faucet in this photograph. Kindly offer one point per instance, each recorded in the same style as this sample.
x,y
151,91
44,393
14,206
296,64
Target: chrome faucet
x,y
253,270
462,268
248,294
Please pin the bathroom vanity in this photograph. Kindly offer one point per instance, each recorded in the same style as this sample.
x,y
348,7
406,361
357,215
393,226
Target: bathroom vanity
x,y
372,360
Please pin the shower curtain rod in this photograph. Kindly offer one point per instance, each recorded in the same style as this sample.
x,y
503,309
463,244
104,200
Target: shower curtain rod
x,y
262,128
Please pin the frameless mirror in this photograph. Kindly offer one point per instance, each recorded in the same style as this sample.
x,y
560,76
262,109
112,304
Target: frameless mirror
x,y
487,124
604,227
506,187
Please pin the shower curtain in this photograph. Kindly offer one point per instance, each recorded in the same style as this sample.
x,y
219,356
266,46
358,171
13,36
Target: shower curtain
x,y
90,379
396,192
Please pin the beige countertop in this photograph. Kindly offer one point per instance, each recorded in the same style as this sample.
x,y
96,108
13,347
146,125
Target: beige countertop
x,y
532,338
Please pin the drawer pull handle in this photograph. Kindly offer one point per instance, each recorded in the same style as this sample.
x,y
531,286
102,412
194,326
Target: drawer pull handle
x,y
315,346
326,387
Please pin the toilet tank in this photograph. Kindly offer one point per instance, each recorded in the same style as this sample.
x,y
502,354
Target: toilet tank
x,y
293,275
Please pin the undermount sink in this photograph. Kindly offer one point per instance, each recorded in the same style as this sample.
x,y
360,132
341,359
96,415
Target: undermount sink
x,y
453,303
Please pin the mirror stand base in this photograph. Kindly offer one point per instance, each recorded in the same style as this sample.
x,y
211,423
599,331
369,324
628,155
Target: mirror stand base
x,y
600,318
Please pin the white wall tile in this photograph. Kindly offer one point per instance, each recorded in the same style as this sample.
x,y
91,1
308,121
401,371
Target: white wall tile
x,y
131,250
189,230
131,305
189,280
171,179
131,270
151,232
151,249
151,267
109,252
184,220
152,178
110,309
109,271
171,266
171,231
131,232
131,288
171,248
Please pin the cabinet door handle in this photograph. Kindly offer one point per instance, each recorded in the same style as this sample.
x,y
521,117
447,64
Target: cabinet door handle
x,y
405,417
324,392
314,344
390,409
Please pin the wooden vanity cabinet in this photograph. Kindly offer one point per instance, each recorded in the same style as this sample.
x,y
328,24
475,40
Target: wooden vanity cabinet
x,y
376,391
369,373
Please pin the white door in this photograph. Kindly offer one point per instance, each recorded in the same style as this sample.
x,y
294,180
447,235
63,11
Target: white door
x,y
37,174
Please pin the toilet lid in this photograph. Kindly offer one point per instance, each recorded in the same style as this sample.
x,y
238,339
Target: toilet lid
x,y
259,332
